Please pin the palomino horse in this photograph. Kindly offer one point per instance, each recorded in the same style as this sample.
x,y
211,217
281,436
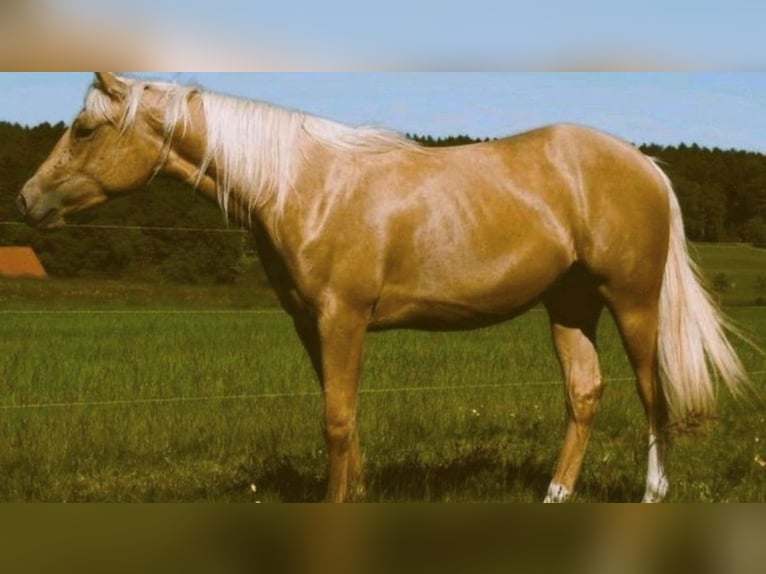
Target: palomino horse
x,y
361,229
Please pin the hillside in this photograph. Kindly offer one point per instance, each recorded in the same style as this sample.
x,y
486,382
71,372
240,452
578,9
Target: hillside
x,y
736,272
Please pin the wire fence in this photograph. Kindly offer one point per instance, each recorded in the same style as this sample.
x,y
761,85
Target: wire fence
x,y
43,312
264,396
306,394
115,227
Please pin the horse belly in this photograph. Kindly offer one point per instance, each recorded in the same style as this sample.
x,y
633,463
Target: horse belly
x,y
457,297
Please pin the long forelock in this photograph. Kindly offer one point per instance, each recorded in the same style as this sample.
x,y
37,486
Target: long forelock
x,y
101,106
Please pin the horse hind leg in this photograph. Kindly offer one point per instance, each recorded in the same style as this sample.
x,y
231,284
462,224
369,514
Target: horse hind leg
x,y
574,309
638,325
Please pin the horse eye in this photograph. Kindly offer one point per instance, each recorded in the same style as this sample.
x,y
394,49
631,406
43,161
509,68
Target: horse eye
x,y
82,132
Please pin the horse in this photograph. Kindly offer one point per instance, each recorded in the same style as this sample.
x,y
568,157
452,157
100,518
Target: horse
x,y
360,229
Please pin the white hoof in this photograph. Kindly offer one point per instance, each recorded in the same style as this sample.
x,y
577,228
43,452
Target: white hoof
x,y
556,494
656,492
656,482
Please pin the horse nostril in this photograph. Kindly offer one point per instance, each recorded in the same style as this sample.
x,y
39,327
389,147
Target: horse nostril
x,y
21,203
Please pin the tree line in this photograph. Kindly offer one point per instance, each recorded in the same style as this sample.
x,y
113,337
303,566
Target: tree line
x,y
722,194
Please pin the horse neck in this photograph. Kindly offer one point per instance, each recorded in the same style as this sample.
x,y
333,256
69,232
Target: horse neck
x,y
185,153
187,162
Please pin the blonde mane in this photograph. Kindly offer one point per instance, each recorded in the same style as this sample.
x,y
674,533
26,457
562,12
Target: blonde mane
x,y
255,147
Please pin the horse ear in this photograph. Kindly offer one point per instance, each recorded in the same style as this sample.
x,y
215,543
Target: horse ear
x,y
111,85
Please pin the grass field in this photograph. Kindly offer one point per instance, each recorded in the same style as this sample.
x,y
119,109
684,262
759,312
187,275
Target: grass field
x,y
742,269
146,393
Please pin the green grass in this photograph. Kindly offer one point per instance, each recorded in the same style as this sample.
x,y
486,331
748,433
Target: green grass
x,y
744,268
101,295
165,394
446,434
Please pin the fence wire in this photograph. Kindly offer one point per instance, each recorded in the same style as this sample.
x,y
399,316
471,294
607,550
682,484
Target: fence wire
x,y
115,227
306,394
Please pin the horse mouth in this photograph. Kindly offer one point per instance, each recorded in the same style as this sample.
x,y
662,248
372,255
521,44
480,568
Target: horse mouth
x,y
53,219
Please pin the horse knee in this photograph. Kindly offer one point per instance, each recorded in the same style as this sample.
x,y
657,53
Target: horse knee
x,y
584,395
339,429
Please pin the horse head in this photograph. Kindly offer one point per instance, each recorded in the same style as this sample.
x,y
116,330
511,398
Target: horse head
x,y
114,145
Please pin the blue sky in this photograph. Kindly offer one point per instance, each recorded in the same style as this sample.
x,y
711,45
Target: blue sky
x,y
703,34
726,110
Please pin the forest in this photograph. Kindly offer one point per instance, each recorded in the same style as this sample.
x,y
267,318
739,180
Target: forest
x,y
722,194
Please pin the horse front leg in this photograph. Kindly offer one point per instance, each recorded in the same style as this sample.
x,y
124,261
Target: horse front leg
x,y
308,332
341,339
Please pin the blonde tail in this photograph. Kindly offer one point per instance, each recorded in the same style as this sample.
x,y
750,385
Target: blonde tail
x,y
694,352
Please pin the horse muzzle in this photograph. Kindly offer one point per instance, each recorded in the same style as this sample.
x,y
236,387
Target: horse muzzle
x,y
36,211
27,202
21,205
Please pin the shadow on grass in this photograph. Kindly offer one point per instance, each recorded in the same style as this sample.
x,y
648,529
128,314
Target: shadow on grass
x,y
476,477
286,479
618,489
